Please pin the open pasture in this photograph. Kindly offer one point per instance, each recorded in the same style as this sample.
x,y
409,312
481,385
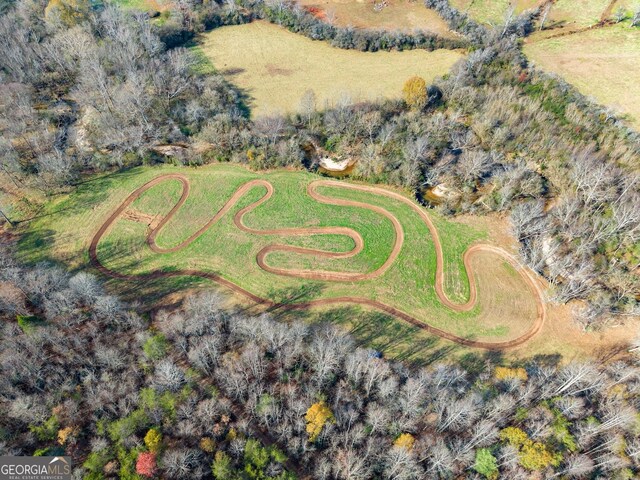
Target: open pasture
x,y
493,12
292,240
275,67
600,62
403,15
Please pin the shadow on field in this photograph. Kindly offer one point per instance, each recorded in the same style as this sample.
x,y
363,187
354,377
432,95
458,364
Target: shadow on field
x,y
33,243
394,338
154,291
87,194
290,295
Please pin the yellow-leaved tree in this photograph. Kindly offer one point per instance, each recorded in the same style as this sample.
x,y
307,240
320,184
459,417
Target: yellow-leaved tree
x,y
317,417
153,440
532,455
414,92
506,373
406,440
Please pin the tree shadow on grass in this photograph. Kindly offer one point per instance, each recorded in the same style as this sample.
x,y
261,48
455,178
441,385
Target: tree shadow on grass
x,y
292,295
87,193
476,363
150,292
395,339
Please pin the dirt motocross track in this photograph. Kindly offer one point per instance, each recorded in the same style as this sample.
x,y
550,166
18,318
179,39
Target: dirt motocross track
x,y
319,274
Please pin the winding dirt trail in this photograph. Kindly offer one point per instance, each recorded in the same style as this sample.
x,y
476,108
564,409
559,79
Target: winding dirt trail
x,y
321,274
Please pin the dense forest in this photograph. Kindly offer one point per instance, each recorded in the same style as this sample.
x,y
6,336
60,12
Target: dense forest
x,y
199,391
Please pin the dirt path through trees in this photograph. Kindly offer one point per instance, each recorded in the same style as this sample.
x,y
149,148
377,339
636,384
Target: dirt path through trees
x,y
325,275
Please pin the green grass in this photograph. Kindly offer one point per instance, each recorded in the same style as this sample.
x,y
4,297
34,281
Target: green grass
x,y
66,227
145,5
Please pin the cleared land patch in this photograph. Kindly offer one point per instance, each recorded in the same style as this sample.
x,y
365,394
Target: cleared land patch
x,y
396,267
567,17
403,15
493,11
276,67
601,63
147,5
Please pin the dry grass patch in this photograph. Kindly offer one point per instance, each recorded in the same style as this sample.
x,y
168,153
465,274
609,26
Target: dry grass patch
x,y
601,63
276,67
581,13
404,15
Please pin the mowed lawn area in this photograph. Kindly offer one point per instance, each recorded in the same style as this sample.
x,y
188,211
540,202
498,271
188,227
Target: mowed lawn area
x,y
403,15
275,67
505,310
601,63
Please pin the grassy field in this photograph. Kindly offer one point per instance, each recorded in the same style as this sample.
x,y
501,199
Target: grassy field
x,y
492,11
64,230
570,16
404,15
577,12
275,67
601,63
146,5
564,15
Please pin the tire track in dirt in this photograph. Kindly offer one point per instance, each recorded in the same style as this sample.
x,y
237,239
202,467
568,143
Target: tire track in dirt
x,y
324,275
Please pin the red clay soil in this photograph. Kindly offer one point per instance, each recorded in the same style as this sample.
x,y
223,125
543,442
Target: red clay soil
x,y
325,275
316,12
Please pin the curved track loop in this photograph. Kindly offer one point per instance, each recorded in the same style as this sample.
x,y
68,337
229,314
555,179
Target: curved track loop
x,y
319,274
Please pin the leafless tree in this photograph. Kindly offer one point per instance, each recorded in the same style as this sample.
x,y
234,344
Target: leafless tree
x,y
168,376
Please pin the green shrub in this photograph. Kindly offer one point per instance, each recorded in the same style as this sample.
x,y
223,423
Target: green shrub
x,y
222,468
28,323
167,401
486,464
561,431
49,452
48,431
127,460
96,461
127,426
155,347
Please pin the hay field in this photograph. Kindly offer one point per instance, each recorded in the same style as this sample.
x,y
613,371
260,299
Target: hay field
x,y
275,67
403,15
601,63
